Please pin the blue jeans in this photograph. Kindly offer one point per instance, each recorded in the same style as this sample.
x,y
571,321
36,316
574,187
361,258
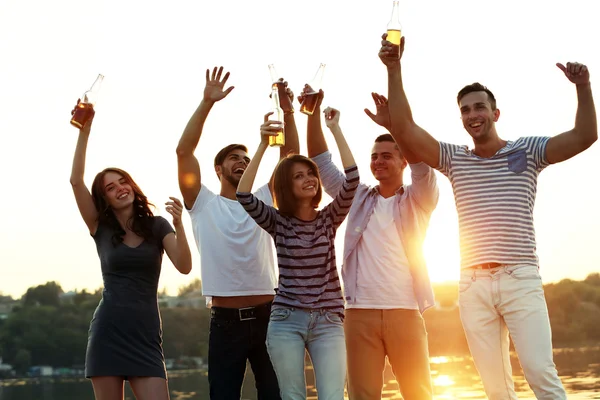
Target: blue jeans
x,y
236,336
293,330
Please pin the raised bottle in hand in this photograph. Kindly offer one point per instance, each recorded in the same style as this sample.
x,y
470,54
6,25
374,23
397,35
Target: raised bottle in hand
x,y
85,108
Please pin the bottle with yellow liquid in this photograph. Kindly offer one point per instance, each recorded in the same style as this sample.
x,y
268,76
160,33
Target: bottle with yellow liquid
x,y
394,28
278,140
85,108
309,103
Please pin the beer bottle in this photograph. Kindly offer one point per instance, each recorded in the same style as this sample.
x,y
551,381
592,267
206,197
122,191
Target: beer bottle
x,y
83,111
309,102
278,140
284,101
394,28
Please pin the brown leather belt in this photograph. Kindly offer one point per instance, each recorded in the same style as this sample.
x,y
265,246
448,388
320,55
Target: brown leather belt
x,y
491,265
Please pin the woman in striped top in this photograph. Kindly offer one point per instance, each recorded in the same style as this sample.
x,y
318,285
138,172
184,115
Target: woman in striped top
x,y
308,310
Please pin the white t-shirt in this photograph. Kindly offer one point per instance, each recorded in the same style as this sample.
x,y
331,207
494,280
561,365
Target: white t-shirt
x,y
236,255
384,280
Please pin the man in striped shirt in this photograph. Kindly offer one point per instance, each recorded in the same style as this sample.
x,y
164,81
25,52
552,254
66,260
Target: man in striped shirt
x,y
494,186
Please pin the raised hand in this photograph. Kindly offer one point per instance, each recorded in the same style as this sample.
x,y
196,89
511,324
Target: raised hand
x,y
214,85
575,72
88,124
389,53
382,116
269,128
286,103
175,208
307,90
332,117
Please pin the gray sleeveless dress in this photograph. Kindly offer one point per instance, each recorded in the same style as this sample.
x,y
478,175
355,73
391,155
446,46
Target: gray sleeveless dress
x,y
125,335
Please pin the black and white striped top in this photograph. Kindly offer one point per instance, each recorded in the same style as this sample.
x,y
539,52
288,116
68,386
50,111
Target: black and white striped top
x,y
494,199
308,276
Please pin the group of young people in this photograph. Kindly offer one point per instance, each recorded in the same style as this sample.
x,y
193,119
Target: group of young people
x,y
347,329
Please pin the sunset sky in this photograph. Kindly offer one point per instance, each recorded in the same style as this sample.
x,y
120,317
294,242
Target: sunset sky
x,y
154,56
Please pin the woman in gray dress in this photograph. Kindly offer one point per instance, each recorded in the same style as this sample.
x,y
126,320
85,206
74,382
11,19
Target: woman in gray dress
x,y
125,336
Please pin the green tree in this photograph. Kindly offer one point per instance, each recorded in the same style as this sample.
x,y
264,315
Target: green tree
x,y
43,295
195,285
22,361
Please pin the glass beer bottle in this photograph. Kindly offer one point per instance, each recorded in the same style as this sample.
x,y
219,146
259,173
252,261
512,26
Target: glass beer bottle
x,y
83,111
394,28
278,140
309,102
284,101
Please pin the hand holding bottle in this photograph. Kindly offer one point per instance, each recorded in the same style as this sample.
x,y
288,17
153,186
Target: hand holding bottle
x,y
317,97
86,119
270,129
389,53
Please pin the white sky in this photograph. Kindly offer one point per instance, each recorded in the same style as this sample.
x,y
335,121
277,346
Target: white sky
x,y
154,56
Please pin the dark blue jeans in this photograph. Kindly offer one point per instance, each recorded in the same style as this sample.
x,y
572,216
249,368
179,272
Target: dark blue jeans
x,y
235,337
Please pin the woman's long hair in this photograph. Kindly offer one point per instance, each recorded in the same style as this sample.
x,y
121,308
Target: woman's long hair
x,y
285,201
140,222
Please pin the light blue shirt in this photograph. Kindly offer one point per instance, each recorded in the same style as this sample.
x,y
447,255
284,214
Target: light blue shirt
x,y
416,202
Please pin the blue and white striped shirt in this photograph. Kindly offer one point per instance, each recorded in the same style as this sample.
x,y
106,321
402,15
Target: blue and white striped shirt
x,y
494,199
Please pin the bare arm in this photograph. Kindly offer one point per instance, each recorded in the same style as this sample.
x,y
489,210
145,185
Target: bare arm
x,y
188,167
410,137
332,119
269,128
83,197
585,133
176,245
292,144
315,139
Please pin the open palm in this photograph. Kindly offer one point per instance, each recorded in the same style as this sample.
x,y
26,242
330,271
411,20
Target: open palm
x,y
214,85
382,116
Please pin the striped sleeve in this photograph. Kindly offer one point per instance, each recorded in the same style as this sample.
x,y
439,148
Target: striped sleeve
x,y
447,152
536,147
265,216
340,206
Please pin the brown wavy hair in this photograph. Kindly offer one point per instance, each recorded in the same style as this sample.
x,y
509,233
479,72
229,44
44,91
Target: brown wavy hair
x,y
141,221
282,184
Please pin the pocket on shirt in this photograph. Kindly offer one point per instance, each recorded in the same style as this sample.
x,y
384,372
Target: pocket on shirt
x,y
517,161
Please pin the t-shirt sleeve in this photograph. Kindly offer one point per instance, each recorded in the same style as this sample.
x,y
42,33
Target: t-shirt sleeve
x,y
264,194
205,195
447,152
536,147
161,228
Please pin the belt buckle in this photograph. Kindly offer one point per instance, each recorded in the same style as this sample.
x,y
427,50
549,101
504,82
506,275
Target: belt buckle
x,y
247,318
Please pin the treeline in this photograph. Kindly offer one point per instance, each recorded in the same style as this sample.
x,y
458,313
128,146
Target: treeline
x,y
44,329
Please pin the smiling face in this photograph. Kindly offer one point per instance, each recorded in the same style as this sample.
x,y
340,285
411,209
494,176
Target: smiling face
x,y
296,182
478,114
233,167
305,183
118,191
386,161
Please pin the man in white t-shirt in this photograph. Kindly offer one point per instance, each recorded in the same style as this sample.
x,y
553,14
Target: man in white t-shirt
x,y
386,283
494,186
237,265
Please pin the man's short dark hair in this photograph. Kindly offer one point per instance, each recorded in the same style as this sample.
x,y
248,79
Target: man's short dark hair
x,y
221,155
476,87
387,137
